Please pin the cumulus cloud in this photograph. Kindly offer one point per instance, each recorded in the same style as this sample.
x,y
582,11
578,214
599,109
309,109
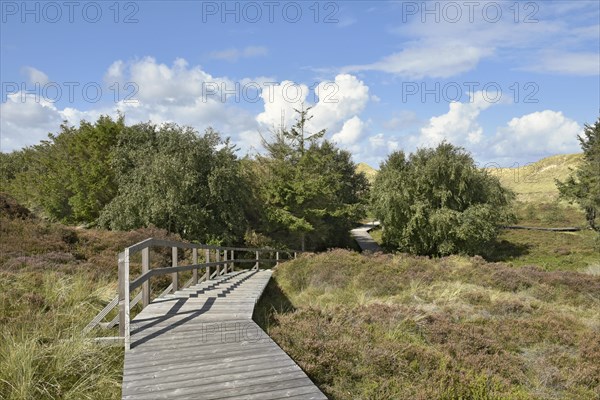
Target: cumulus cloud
x,y
458,126
163,93
334,104
537,135
27,119
351,131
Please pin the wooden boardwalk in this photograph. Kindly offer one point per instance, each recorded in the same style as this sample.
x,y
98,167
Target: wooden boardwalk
x,y
201,343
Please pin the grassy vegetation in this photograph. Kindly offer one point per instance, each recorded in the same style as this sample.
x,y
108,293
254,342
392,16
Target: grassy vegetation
x,y
521,323
396,327
566,251
534,182
369,171
53,280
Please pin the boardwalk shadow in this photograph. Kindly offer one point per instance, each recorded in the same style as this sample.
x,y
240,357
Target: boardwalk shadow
x,y
173,312
219,290
272,302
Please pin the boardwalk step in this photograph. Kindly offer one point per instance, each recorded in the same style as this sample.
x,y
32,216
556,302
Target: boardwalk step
x,y
201,343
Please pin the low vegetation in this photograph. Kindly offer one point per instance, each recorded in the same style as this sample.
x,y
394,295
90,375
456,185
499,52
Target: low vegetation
x,y
400,327
53,280
437,202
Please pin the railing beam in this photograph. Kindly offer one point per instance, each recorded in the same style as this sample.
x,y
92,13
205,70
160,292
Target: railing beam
x,y
195,271
124,297
145,285
207,260
174,275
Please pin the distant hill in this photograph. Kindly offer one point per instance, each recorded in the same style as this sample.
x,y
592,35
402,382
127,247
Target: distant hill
x,y
535,182
369,171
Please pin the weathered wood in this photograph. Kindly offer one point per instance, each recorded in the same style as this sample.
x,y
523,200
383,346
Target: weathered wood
x,y
195,270
115,321
277,259
105,311
207,260
124,298
256,264
146,284
232,258
535,228
201,343
225,264
218,260
174,275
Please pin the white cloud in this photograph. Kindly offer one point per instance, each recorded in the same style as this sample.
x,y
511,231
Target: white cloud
x,y
441,49
351,131
568,63
537,135
35,75
435,59
377,140
165,93
26,120
338,101
458,126
235,54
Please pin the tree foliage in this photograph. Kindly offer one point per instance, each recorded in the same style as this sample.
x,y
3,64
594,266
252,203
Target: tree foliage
x,y
583,186
173,178
437,202
67,177
309,188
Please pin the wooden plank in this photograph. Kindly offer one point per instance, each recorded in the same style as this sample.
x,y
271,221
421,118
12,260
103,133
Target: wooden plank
x,y
201,343
146,284
174,275
195,270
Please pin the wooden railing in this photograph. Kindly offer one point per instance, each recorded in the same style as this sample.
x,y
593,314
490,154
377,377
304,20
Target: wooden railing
x,y
126,286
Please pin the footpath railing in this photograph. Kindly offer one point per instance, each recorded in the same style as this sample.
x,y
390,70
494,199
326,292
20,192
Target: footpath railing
x,y
224,261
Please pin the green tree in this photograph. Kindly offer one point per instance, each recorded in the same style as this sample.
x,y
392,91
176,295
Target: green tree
x,y
437,202
583,186
309,188
67,177
173,178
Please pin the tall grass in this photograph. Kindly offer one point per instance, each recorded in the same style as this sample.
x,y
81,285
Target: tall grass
x,y
404,327
53,280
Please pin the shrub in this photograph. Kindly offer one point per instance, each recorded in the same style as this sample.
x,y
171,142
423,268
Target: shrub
x,y
437,202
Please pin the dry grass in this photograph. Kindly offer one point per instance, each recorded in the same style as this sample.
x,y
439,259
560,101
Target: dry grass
x,y
395,327
53,280
534,182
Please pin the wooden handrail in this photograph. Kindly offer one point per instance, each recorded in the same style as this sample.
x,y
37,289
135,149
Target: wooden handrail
x,y
127,286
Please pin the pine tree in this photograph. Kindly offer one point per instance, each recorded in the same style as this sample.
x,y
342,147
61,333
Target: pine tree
x,y
583,186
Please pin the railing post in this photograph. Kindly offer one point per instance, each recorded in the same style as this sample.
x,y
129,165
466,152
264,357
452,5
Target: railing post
x,y
217,259
231,257
295,255
195,261
174,275
225,264
256,264
277,259
207,260
124,298
146,284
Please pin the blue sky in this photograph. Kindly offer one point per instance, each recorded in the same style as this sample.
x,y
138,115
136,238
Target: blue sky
x,y
510,81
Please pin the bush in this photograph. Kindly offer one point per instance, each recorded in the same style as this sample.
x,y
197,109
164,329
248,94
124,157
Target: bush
x,y
437,202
